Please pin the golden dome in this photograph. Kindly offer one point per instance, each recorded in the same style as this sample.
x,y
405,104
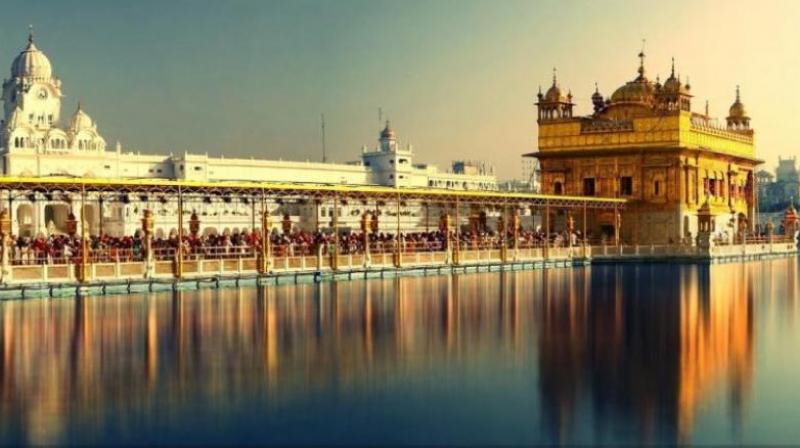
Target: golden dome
x,y
737,108
640,90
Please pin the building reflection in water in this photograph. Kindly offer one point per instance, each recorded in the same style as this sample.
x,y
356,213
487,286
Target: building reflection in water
x,y
634,348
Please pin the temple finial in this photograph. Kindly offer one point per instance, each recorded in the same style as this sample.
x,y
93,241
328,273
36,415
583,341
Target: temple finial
x,y
30,34
673,67
737,93
554,77
641,59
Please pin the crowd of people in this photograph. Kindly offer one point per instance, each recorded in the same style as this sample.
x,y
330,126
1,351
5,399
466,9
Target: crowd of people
x,y
63,249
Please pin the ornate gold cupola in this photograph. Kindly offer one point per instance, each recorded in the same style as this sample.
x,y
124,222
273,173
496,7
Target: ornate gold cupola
x,y
674,95
553,105
737,115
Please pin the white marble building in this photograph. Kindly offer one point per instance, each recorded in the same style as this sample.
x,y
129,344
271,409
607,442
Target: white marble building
x,y
35,141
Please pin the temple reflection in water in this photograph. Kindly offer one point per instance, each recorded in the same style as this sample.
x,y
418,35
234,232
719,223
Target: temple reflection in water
x,y
632,348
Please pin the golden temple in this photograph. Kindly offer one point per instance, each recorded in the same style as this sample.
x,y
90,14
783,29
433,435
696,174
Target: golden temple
x,y
645,144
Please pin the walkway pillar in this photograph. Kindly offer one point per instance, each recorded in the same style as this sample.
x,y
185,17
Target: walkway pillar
x,y
546,230
515,231
83,266
100,203
147,229
316,215
504,235
444,227
334,252
427,213
5,240
11,213
398,255
178,271
266,244
585,226
570,230
366,229
457,248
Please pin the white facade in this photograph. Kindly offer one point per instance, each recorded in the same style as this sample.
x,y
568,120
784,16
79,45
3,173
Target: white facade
x,y
33,142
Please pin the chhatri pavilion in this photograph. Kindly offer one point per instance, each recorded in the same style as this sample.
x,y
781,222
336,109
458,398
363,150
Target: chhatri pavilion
x,y
645,144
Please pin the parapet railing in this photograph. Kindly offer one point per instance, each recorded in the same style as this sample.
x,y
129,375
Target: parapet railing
x,y
717,248
129,264
109,264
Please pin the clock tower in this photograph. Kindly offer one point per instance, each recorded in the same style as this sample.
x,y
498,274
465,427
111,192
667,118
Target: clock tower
x,y
31,114
32,90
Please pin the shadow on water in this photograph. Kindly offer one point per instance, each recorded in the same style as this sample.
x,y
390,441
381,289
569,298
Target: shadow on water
x,y
608,354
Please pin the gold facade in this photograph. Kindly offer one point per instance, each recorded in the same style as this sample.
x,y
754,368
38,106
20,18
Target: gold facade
x,y
645,144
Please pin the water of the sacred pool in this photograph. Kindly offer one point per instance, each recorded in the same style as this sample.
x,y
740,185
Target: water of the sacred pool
x,y
655,353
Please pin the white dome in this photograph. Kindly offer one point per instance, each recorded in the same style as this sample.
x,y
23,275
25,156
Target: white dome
x,y
31,63
81,121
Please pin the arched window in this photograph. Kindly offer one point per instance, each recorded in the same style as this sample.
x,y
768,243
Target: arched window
x,y
557,188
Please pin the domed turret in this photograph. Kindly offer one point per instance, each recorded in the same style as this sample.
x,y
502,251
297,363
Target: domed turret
x,y
737,108
31,63
674,95
597,99
553,94
553,104
388,138
388,133
737,115
81,121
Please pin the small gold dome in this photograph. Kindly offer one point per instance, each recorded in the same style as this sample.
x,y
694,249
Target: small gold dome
x,y
737,109
673,85
554,95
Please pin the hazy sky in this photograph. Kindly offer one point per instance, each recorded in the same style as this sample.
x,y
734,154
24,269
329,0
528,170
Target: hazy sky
x,y
457,78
